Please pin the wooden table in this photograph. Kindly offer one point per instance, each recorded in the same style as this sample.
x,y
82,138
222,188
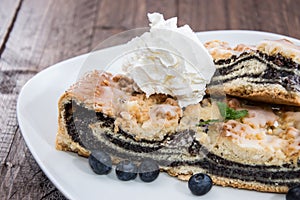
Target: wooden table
x,y
35,34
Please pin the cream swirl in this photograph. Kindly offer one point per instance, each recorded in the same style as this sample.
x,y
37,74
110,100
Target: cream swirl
x,y
170,60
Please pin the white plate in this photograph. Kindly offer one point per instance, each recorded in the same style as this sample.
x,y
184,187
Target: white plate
x,y
71,174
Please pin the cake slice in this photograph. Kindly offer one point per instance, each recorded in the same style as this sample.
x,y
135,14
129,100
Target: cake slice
x,y
258,151
267,72
102,105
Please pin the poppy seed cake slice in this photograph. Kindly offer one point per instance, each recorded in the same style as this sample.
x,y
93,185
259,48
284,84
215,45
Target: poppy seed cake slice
x,y
259,151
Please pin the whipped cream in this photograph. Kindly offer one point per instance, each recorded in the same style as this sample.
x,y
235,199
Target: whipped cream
x,y
169,60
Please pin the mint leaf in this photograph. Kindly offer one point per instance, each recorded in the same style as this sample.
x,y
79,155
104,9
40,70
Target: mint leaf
x,y
229,113
203,123
237,114
222,108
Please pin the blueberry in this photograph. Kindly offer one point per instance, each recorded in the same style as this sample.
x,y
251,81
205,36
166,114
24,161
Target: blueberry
x,y
100,162
126,170
293,193
200,184
148,170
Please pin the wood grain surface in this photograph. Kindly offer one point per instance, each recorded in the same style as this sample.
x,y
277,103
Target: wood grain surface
x,y
35,34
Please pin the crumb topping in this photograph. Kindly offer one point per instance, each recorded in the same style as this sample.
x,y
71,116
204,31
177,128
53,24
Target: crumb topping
x,y
222,50
283,47
277,133
149,118
118,97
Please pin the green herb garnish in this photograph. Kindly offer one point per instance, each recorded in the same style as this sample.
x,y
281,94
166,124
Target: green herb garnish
x,y
229,113
226,112
203,123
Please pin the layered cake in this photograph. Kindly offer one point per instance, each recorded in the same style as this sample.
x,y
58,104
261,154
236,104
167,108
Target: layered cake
x,y
266,72
244,130
259,151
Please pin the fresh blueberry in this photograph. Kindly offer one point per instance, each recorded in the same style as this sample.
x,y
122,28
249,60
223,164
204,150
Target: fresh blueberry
x,y
293,193
148,170
126,170
100,162
200,184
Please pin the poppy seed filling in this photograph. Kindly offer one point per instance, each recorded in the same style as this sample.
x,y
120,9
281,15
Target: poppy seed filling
x,y
279,70
78,120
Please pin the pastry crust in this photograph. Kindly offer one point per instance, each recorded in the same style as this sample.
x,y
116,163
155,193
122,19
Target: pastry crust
x,y
184,174
268,93
64,141
282,46
222,50
267,72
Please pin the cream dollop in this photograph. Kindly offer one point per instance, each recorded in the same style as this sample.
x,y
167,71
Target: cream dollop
x,y
169,60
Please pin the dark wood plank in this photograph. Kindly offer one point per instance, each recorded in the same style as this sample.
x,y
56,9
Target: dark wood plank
x,y
8,13
118,16
10,85
49,31
280,16
45,32
168,8
203,15
272,16
8,118
122,14
292,17
22,178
